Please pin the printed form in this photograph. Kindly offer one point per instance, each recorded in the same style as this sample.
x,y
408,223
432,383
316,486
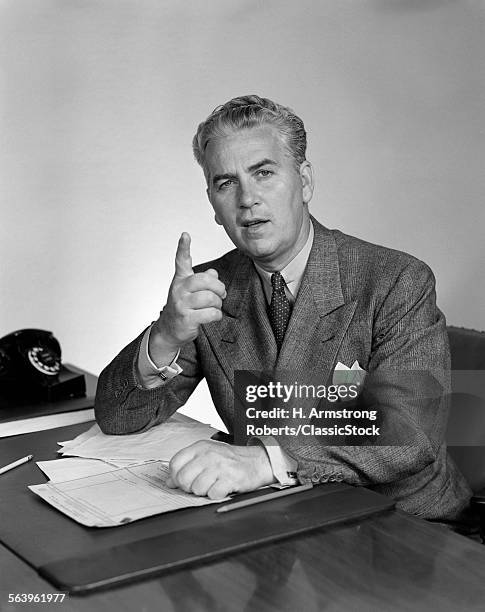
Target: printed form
x,y
112,480
118,497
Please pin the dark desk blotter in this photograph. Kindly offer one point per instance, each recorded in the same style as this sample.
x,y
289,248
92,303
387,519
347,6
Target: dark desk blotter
x,y
77,558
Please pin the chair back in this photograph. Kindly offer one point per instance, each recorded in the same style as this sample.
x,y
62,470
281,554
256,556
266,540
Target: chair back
x,y
466,424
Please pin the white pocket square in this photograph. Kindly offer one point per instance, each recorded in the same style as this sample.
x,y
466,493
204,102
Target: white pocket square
x,y
343,375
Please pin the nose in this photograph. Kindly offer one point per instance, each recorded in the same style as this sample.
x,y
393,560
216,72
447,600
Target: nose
x,y
247,196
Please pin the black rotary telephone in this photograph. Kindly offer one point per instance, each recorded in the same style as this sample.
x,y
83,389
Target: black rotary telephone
x,y
31,369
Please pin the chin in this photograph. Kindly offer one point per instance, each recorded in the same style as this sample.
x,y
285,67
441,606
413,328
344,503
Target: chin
x,y
253,249
259,250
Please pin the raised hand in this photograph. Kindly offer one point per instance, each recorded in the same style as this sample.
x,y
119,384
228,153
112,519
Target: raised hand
x,y
193,299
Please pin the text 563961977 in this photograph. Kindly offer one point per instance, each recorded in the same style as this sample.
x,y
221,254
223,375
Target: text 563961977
x,y
36,597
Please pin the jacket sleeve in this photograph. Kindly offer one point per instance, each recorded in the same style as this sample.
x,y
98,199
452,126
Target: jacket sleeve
x,y
123,405
409,366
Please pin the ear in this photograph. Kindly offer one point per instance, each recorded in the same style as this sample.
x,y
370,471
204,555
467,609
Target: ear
x,y
217,220
306,175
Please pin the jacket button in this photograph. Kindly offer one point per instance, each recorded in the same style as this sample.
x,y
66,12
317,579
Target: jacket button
x,y
332,478
324,478
315,478
339,477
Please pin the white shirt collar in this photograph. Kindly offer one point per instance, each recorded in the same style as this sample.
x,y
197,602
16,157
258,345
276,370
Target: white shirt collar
x,y
292,272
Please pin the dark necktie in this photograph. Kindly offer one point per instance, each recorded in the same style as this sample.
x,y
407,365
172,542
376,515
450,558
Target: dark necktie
x,y
279,309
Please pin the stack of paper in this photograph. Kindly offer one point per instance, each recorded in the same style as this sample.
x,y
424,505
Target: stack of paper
x,y
99,453
119,479
160,443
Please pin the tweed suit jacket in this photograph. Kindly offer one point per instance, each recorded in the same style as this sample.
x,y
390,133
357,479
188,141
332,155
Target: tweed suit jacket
x,y
357,301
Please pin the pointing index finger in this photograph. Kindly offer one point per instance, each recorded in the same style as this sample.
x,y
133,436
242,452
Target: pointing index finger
x,y
183,259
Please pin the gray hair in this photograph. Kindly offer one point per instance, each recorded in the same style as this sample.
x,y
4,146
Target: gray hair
x,y
252,111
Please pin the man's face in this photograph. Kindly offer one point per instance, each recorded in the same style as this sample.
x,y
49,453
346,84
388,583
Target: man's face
x,y
259,195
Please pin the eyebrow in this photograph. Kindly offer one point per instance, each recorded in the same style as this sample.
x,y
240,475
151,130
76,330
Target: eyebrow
x,y
222,177
264,162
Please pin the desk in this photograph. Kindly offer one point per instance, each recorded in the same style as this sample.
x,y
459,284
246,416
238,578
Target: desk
x,y
383,563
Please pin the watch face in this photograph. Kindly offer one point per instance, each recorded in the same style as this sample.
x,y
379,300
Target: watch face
x,y
168,372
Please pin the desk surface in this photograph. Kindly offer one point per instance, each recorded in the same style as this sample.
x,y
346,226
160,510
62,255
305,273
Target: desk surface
x,y
386,562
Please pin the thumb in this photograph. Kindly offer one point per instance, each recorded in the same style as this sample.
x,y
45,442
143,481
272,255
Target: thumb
x,y
183,260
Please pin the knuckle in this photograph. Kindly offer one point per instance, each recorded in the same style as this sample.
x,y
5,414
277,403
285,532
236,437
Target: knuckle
x,y
198,447
175,480
174,477
183,482
199,489
218,491
217,314
184,487
221,288
210,453
206,298
189,282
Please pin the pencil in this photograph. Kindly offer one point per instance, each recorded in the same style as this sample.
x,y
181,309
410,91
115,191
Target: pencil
x,y
263,498
14,464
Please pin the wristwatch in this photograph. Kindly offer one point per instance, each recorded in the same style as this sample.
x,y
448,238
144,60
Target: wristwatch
x,y
169,371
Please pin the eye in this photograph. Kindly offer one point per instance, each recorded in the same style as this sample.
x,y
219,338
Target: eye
x,y
225,185
264,173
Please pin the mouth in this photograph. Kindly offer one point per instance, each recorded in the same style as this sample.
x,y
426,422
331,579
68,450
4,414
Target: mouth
x,y
253,223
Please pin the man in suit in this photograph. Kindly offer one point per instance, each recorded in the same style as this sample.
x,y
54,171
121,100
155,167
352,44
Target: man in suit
x,y
295,296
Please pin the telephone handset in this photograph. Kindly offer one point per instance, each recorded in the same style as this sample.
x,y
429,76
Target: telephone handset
x,y
31,369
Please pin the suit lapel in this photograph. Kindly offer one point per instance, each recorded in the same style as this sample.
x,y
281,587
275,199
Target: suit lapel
x,y
320,315
243,340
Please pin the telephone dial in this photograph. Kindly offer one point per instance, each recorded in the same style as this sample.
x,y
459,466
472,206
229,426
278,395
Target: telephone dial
x,y
31,369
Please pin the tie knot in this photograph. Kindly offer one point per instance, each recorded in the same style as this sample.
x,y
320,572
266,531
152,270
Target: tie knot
x,y
277,281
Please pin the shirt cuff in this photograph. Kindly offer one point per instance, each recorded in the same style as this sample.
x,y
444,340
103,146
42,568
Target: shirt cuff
x,y
283,466
151,375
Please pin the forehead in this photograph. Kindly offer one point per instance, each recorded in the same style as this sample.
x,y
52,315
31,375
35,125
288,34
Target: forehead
x,y
245,147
